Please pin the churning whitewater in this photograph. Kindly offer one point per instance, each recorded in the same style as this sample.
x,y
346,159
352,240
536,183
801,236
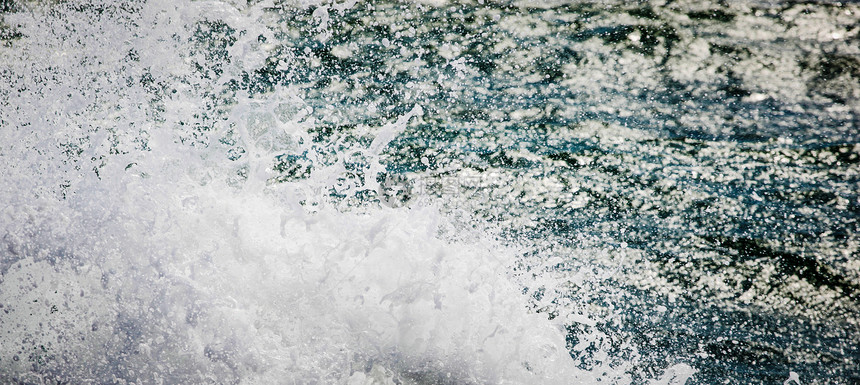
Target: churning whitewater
x,y
135,251
429,192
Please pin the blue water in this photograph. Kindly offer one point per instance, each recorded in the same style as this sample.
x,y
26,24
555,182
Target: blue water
x,y
672,188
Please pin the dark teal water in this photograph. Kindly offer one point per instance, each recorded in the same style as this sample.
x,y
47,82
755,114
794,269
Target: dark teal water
x,y
718,145
687,173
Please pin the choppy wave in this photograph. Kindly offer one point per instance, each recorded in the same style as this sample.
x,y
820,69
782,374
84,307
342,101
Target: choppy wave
x,y
136,251
428,192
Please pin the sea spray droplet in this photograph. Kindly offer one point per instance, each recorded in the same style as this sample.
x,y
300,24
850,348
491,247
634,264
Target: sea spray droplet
x,y
792,377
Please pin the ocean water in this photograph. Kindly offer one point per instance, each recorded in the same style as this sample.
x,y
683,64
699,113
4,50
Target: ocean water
x,y
429,192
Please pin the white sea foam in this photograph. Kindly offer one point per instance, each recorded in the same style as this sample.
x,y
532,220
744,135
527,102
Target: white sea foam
x,y
133,250
160,279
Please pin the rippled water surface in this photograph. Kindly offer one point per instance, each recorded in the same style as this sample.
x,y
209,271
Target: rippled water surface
x,y
430,192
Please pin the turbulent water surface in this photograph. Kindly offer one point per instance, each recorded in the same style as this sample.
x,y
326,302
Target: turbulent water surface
x,y
430,192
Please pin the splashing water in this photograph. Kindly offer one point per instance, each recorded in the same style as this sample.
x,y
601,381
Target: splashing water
x,y
148,239
345,192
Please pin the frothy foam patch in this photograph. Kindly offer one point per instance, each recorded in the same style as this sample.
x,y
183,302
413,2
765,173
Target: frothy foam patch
x,y
144,240
157,283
